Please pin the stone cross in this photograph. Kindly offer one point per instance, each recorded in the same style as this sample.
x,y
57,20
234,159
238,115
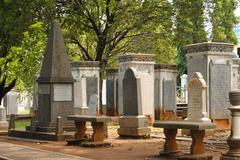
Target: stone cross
x,y
197,107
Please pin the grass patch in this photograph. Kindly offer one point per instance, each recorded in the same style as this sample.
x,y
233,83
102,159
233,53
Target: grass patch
x,y
21,124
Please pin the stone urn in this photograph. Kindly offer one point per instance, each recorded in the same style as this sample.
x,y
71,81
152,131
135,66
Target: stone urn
x,y
234,98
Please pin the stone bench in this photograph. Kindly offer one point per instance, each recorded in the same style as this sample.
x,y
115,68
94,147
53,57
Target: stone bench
x,y
97,123
197,132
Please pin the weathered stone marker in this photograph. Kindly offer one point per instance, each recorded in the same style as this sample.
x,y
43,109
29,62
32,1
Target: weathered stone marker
x,y
93,105
133,123
55,84
112,92
197,107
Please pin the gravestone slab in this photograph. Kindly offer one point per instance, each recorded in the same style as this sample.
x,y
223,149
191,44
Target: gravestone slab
x,y
220,85
130,94
197,102
93,104
110,97
197,65
169,96
11,103
91,87
157,102
62,92
112,91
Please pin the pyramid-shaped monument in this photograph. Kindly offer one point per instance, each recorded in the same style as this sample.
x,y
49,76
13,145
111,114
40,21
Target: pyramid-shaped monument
x,y
55,84
56,67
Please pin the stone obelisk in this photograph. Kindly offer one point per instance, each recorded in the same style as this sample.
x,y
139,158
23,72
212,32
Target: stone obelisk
x,y
55,84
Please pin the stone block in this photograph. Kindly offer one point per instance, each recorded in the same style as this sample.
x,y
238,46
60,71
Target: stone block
x,y
133,121
134,132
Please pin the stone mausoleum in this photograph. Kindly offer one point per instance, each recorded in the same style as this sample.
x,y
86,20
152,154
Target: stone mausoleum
x,y
86,87
165,91
143,65
214,62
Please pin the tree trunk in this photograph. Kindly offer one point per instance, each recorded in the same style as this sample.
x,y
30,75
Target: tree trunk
x,y
5,90
103,65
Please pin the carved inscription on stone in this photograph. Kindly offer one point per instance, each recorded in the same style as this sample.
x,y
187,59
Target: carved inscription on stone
x,y
62,92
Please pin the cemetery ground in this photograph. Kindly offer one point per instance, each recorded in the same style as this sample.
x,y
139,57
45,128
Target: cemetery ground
x,y
126,148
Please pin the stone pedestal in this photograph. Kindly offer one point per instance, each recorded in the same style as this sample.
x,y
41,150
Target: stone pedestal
x,y
234,139
170,146
134,126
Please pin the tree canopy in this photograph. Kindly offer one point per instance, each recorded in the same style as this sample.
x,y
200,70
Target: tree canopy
x,y
17,30
223,20
100,30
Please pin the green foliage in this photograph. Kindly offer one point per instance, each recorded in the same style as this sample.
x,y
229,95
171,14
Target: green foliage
x,y
223,21
22,124
189,22
16,18
156,37
27,57
100,30
189,28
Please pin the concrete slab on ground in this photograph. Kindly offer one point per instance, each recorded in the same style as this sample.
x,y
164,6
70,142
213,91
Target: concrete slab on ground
x,y
16,152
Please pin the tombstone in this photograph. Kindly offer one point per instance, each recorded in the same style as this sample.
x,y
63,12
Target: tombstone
x,y
143,64
112,92
86,75
130,95
197,106
133,123
165,91
93,105
213,61
11,102
220,85
55,85
3,121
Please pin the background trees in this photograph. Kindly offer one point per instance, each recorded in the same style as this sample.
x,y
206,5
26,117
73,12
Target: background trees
x,y
19,41
223,20
189,28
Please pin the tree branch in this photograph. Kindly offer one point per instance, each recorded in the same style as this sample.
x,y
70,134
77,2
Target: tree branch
x,y
85,52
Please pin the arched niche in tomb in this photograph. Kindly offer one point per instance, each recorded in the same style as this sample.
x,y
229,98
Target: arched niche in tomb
x,y
130,93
